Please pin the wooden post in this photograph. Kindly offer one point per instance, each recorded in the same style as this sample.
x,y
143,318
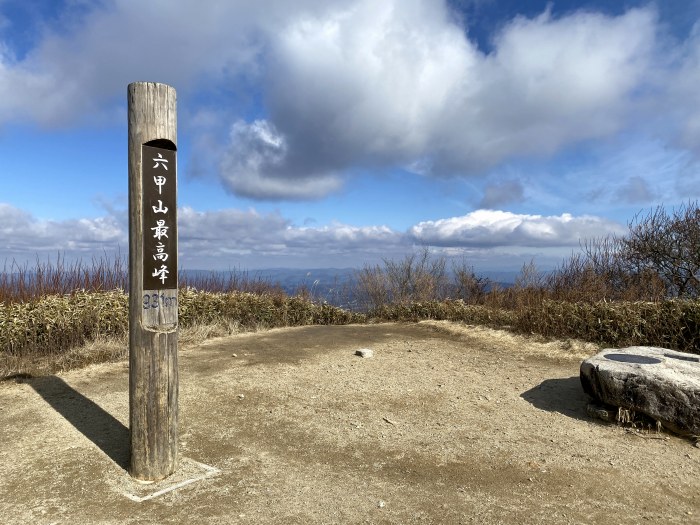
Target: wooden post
x,y
153,375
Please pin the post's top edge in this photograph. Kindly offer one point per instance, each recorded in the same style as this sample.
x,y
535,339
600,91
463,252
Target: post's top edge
x,y
149,84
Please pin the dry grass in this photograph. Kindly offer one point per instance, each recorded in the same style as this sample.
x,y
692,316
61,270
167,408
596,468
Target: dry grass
x,y
55,324
102,349
674,323
671,324
519,344
55,333
20,283
568,303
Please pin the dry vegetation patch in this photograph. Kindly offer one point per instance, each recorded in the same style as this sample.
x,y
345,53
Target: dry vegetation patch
x,y
519,344
57,333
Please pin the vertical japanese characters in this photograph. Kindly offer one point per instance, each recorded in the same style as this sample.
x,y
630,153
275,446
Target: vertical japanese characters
x,y
160,221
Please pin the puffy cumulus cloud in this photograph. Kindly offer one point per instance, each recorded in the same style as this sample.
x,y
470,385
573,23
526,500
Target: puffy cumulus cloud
x,y
21,233
209,239
254,165
203,235
215,239
223,232
216,235
86,57
346,84
399,83
343,238
493,228
247,238
369,82
550,83
362,85
387,83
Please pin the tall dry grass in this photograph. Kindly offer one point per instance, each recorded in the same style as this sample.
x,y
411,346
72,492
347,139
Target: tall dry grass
x,y
52,315
22,283
582,299
54,323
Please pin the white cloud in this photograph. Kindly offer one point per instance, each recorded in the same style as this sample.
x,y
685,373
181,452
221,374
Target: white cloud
x,y
206,239
235,228
247,238
343,238
21,233
254,165
371,80
349,84
494,228
386,83
684,96
81,67
550,83
248,232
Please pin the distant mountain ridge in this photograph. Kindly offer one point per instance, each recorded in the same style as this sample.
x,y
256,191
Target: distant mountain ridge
x,y
333,285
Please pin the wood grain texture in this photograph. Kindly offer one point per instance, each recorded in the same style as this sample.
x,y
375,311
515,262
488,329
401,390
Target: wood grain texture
x,y
153,372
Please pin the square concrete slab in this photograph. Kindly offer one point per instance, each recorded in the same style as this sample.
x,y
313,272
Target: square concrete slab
x,y
188,472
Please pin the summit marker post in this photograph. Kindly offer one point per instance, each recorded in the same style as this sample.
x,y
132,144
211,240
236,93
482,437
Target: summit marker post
x,y
153,297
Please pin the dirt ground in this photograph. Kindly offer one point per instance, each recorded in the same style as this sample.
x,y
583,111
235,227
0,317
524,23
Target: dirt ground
x,y
445,424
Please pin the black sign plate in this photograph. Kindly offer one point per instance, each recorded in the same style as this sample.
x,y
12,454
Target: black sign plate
x,y
159,168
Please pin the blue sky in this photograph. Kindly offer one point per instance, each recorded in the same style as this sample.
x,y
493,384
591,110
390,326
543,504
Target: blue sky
x,y
324,133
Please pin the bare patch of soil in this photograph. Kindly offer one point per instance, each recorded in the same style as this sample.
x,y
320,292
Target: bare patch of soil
x,y
445,424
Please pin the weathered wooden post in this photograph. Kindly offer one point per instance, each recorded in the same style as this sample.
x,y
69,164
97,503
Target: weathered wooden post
x,y
153,375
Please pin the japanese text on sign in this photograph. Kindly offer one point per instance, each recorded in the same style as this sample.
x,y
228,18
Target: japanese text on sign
x,y
159,218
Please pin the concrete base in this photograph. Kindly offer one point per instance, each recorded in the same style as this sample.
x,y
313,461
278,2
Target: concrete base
x,y
188,472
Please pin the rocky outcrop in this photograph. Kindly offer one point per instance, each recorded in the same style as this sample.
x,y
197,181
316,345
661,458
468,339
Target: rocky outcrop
x,y
663,384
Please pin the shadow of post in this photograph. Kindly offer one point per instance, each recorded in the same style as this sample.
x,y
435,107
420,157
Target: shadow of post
x,y
100,427
564,395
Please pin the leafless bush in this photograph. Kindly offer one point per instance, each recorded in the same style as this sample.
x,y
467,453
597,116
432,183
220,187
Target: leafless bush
x,y
418,277
659,258
667,244
467,285
529,287
372,287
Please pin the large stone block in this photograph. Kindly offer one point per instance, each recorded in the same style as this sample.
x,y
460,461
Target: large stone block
x,y
663,384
